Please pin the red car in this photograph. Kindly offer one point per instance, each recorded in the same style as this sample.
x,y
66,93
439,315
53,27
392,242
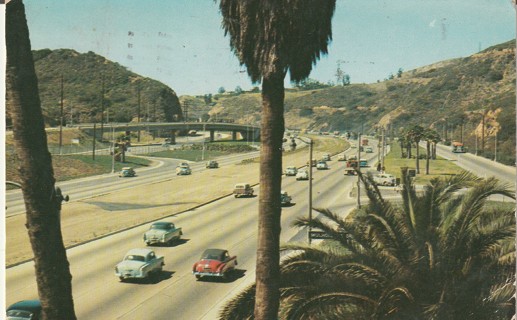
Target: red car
x,y
214,263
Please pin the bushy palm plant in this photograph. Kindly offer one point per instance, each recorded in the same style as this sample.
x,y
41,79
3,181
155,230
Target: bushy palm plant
x,y
439,254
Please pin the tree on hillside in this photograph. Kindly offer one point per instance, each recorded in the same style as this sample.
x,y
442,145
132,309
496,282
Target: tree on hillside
x,y
437,255
238,90
272,37
415,135
42,199
221,90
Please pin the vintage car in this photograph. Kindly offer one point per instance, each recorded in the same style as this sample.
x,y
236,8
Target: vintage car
x,y
139,264
162,232
322,165
302,175
291,171
363,163
368,149
313,162
326,157
183,169
242,190
214,263
127,172
212,164
285,198
25,309
384,179
342,157
350,171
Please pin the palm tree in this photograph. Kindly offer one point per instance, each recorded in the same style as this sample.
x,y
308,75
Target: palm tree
x,y
272,37
438,255
430,136
415,134
42,200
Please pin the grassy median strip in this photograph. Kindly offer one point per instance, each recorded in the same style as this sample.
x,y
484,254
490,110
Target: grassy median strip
x,y
437,168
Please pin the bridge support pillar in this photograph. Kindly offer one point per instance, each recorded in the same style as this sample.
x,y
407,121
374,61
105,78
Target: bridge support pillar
x,y
212,135
173,137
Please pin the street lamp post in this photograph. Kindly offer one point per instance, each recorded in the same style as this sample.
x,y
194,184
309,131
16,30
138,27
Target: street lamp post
x,y
310,143
310,188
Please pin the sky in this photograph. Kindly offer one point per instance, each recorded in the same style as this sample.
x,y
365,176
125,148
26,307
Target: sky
x,y
181,42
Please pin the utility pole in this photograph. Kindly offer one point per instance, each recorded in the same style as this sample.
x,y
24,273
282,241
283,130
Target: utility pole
x,y
113,148
359,170
138,115
310,188
93,142
495,147
102,108
383,149
61,120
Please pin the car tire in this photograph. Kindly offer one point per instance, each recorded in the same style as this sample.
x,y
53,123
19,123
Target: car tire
x,y
121,279
198,276
147,243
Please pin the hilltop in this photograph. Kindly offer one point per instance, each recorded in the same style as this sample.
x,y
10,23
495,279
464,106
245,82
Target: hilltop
x,y
83,77
447,96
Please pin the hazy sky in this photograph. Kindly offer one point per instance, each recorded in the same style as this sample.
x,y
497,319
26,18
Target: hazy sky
x,y
181,43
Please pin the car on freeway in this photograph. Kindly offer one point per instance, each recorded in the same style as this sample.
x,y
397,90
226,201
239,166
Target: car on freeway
x,y
212,164
322,165
302,175
162,232
291,171
326,157
214,263
242,190
368,149
342,157
127,172
363,163
313,162
24,310
183,171
350,171
139,264
285,198
384,179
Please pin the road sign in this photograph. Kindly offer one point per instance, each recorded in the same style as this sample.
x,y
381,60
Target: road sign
x,y
319,235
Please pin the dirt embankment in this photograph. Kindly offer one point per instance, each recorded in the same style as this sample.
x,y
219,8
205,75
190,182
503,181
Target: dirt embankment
x,y
91,218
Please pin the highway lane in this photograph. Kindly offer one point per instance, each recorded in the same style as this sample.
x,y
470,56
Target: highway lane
x,y
480,166
229,223
80,189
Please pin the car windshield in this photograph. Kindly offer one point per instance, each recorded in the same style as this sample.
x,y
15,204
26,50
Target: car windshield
x,y
19,314
133,257
161,226
212,256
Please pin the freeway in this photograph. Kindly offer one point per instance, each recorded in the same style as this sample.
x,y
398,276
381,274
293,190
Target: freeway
x,y
96,185
480,166
228,223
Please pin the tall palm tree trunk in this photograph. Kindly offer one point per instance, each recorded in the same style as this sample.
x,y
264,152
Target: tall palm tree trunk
x,y
417,158
428,156
268,254
42,203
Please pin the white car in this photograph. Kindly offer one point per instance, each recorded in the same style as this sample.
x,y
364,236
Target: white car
x,y
322,165
326,157
139,264
291,171
384,179
302,175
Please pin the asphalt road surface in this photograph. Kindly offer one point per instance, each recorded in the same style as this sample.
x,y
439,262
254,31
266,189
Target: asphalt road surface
x,y
228,223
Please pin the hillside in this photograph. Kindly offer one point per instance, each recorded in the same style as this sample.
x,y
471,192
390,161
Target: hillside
x,y
83,75
447,96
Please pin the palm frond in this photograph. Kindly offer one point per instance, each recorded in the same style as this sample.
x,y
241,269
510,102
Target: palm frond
x,y
240,307
297,312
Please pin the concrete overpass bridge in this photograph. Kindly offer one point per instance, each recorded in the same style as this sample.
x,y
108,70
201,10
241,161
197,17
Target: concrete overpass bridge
x,y
247,132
